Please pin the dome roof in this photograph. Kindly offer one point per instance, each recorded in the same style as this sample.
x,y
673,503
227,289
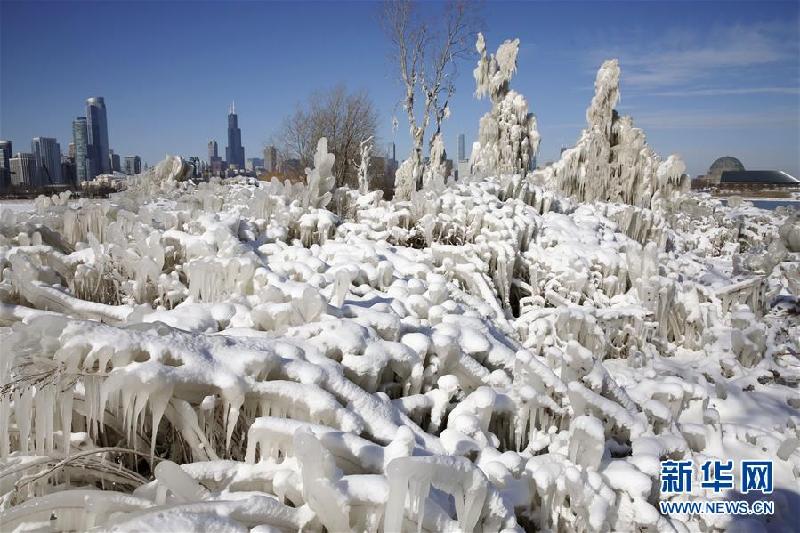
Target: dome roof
x,y
725,163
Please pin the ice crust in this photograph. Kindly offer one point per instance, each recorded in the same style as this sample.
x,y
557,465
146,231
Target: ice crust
x,y
507,352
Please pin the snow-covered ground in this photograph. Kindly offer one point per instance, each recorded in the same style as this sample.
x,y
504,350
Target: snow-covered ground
x,y
500,353
18,206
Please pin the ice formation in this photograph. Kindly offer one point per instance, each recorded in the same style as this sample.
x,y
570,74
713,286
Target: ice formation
x,y
611,161
491,356
508,138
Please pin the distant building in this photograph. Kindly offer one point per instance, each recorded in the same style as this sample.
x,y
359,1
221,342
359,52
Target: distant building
x,y
23,170
114,161
217,166
213,152
68,170
5,165
133,165
714,174
80,138
271,159
727,176
462,147
97,126
71,150
462,169
253,164
47,153
758,178
234,153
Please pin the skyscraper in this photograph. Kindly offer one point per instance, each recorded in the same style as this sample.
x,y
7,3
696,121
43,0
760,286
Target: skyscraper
x,y
234,152
133,164
83,163
270,159
97,124
213,152
114,161
23,170
47,153
5,164
68,169
462,149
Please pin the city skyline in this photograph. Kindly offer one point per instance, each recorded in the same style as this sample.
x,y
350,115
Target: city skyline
x,y
690,74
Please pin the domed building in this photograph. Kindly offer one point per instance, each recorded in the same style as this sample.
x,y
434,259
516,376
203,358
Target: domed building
x,y
728,175
723,164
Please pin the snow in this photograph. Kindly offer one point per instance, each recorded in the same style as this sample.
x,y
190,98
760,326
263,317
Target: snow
x,y
510,351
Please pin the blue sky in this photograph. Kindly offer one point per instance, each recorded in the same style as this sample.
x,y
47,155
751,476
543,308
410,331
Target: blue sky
x,y
703,79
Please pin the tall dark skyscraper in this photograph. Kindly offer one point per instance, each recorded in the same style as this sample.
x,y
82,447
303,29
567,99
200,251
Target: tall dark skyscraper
x,y
97,124
83,163
234,153
462,149
5,164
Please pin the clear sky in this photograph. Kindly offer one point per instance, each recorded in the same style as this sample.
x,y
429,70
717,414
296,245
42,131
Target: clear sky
x,y
704,79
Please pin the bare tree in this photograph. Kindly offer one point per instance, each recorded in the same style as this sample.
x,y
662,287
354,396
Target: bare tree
x,y
427,60
344,118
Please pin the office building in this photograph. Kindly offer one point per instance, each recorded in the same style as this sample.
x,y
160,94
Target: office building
x,y
114,161
71,150
67,170
271,159
253,164
462,147
5,165
234,152
97,127
23,170
133,165
84,170
213,152
47,153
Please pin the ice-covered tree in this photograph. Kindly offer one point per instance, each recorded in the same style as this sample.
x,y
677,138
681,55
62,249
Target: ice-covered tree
x,y
611,160
508,135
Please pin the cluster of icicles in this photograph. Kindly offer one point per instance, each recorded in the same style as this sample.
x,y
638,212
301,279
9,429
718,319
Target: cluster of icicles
x,y
240,356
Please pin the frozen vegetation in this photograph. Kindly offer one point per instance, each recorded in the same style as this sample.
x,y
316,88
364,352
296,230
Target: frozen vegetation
x,y
512,351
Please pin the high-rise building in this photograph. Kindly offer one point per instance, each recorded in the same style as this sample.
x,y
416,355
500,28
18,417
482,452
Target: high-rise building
x,y
5,165
270,159
80,138
71,150
390,152
462,148
234,152
47,153
213,152
133,164
68,169
114,162
23,170
97,124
